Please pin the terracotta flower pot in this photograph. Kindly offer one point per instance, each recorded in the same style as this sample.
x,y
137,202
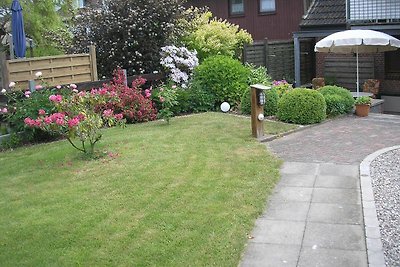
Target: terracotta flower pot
x,y
362,110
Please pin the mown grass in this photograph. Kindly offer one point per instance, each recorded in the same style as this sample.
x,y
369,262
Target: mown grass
x,y
184,194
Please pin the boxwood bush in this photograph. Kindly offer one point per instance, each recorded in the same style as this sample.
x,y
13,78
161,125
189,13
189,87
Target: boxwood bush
x,y
271,102
338,100
223,77
302,106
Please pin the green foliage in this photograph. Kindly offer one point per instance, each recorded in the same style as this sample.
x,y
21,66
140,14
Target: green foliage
x,y
223,77
271,102
338,100
363,100
42,23
44,50
258,75
20,106
13,141
168,98
302,106
78,117
200,100
282,87
212,37
330,80
160,196
245,102
127,34
183,105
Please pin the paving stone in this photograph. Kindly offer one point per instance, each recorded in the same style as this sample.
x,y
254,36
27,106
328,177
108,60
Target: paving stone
x,y
299,168
287,211
290,194
320,257
376,259
334,236
297,180
335,195
372,232
278,232
271,255
337,181
374,244
346,140
339,170
335,213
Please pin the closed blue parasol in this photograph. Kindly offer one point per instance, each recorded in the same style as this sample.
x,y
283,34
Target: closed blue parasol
x,y
18,33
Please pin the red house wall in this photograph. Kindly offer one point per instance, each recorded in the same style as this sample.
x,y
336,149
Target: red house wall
x,y
277,26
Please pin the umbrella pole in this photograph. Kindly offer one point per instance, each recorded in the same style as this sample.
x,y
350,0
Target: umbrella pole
x,y
358,81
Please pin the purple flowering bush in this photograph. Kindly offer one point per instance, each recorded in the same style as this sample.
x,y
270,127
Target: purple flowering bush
x,y
179,63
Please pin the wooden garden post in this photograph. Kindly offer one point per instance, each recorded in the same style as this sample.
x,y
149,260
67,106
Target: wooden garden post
x,y
257,110
5,79
93,63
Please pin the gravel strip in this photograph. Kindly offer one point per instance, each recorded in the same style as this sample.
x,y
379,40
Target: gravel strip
x,y
385,176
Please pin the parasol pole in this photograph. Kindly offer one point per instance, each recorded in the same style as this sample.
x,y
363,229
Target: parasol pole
x,y
358,82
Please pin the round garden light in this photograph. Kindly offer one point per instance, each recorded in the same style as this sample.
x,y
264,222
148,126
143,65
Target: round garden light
x,y
225,107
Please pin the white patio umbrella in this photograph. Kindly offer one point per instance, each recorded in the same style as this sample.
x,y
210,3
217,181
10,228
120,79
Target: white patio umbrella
x,y
357,41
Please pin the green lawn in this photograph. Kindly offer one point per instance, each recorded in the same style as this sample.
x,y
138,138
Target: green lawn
x,y
177,195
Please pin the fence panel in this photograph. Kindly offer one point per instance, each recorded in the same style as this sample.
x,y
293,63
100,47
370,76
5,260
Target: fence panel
x,y
281,60
276,56
343,70
65,69
255,53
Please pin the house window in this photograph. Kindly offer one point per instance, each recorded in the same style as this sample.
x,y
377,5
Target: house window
x,y
236,7
267,6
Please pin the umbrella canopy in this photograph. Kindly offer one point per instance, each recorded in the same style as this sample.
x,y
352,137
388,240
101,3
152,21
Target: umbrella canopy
x,y
361,41
18,32
357,41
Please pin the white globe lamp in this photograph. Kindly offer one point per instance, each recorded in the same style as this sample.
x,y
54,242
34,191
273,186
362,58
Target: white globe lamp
x,y
225,107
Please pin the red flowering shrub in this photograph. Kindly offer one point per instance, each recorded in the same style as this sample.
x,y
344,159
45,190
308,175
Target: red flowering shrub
x,y
134,104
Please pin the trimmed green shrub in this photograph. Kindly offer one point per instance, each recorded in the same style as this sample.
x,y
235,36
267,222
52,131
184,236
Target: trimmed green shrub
x,y
222,77
338,100
200,100
271,102
302,106
183,106
245,102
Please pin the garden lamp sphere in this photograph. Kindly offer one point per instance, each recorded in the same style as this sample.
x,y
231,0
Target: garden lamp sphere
x,y
260,117
225,107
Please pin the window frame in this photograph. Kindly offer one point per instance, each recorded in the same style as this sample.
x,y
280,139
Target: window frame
x,y
241,14
271,12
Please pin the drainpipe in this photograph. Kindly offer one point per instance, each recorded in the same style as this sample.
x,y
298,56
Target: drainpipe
x,y
297,74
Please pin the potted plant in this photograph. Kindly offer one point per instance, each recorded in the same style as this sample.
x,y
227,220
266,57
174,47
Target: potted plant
x,y
363,104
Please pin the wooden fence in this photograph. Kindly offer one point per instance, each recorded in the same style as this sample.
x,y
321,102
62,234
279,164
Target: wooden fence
x,y
278,58
64,69
342,70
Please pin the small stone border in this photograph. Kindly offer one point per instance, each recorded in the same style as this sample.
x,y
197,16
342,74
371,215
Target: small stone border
x,y
372,233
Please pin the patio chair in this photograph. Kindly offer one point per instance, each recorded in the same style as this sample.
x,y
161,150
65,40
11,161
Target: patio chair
x,y
372,86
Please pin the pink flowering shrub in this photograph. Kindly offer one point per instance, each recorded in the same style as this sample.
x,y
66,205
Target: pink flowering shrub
x,y
78,118
282,87
22,104
134,104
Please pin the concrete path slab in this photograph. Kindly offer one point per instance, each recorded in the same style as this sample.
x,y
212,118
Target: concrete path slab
x,y
315,216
